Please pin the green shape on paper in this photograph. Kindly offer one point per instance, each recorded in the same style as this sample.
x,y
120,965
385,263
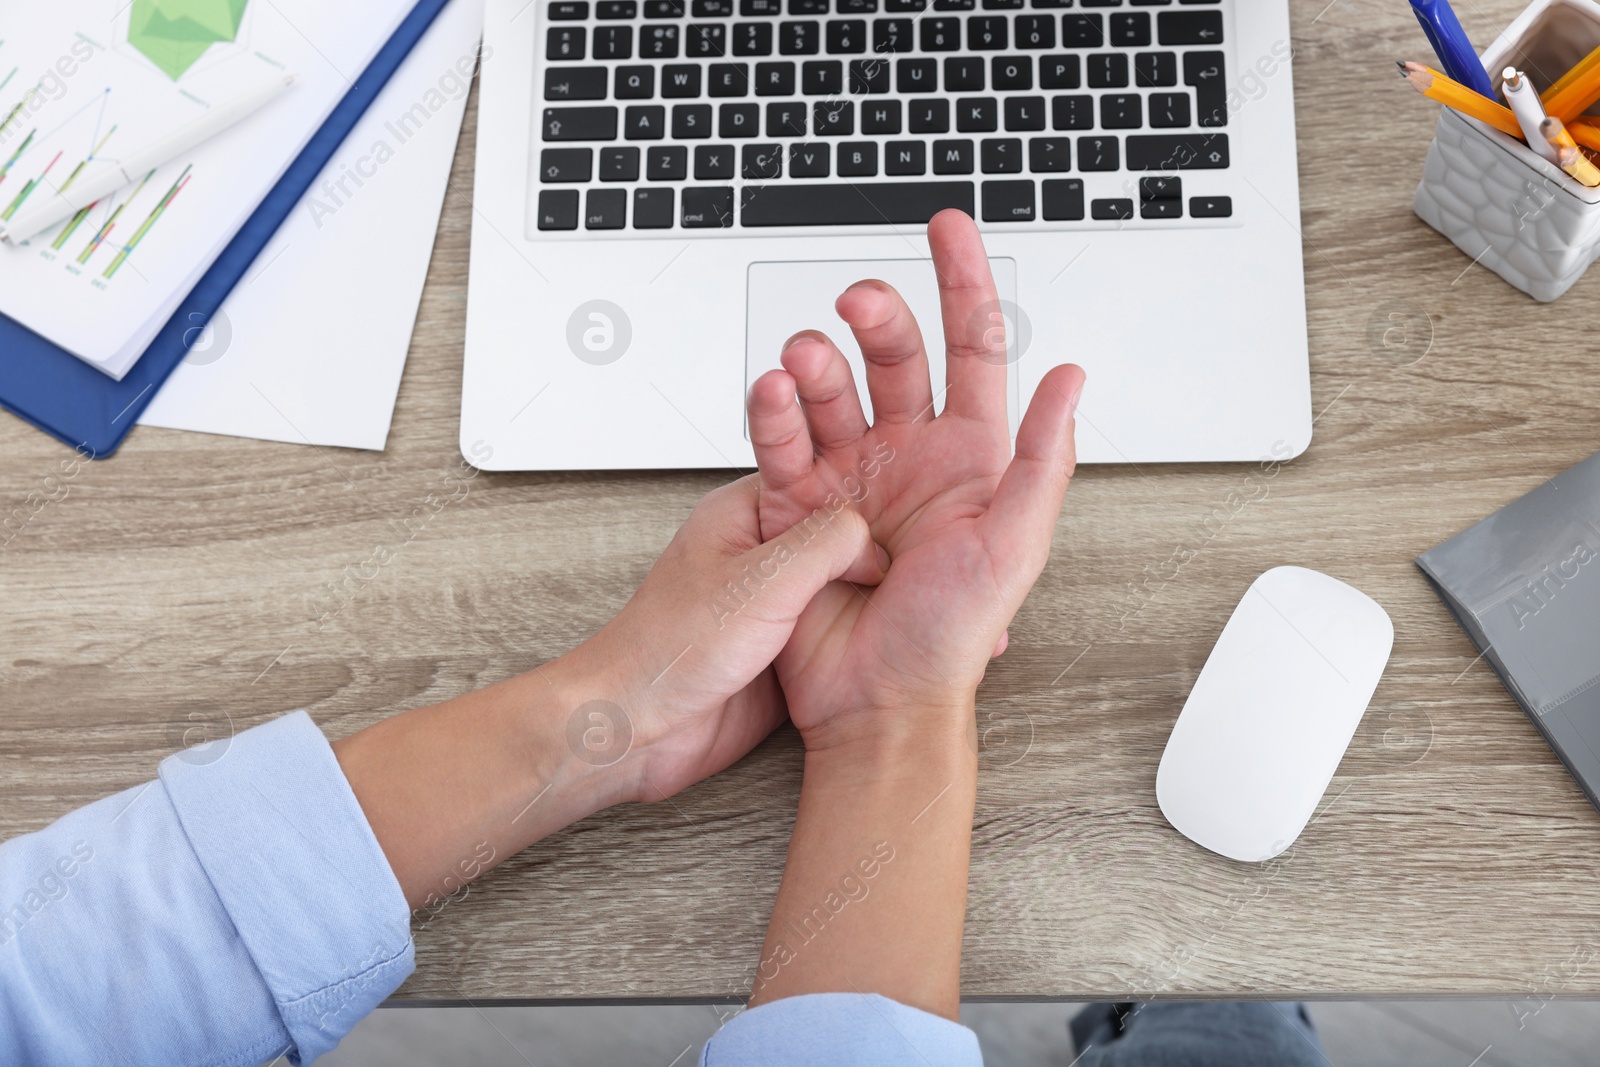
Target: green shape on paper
x,y
174,34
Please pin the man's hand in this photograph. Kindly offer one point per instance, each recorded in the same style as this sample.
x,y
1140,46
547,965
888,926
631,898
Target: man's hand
x,y
966,526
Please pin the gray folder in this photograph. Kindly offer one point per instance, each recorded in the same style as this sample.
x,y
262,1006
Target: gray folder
x,y
1525,585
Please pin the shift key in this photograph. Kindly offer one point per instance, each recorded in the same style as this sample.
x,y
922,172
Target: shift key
x,y
580,123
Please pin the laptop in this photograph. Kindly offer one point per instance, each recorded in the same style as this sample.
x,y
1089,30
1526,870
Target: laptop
x,y
665,190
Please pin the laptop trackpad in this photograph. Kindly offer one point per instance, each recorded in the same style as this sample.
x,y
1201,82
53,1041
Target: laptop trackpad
x,y
784,298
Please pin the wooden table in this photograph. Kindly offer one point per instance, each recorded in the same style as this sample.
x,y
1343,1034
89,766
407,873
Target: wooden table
x,y
179,586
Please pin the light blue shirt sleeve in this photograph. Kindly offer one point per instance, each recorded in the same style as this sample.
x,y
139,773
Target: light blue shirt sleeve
x,y
841,1030
237,908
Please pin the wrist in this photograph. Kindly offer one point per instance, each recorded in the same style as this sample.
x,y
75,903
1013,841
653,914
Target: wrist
x,y
580,737
888,733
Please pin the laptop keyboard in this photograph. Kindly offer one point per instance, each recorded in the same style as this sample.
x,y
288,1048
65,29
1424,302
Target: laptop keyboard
x,y
760,115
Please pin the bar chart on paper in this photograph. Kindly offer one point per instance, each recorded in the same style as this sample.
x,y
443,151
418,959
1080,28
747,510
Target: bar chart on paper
x,y
89,86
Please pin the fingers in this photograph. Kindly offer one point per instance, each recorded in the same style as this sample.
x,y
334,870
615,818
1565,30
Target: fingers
x,y
778,579
891,344
778,430
1021,517
974,328
827,390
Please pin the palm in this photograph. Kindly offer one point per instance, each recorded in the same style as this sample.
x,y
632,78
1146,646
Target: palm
x,y
965,532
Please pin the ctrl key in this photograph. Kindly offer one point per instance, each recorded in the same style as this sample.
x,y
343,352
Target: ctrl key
x,y
558,209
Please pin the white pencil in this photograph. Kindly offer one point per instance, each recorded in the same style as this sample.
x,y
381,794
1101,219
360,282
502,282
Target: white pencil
x,y
130,169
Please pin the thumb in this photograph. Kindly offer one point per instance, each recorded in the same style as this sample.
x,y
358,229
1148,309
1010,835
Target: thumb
x,y
776,580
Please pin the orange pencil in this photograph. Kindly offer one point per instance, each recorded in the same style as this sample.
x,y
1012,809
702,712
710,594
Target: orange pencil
x,y
1435,86
1576,90
1568,157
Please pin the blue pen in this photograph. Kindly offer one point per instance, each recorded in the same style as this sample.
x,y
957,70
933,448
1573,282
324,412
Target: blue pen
x,y
1450,44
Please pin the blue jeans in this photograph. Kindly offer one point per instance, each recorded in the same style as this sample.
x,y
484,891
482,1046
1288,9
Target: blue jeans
x,y
1196,1034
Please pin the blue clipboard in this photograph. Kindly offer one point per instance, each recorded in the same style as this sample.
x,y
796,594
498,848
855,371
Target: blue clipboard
x,y
66,397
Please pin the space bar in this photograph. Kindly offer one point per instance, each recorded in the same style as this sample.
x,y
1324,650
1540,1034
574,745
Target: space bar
x,y
841,205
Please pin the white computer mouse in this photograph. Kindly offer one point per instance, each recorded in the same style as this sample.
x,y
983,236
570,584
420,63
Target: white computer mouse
x,y
1272,712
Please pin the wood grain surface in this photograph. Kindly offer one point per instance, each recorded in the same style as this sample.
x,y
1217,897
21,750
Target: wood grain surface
x,y
186,586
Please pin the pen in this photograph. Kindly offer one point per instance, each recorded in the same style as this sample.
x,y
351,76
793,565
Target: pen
x,y
68,203
1574,91
1450,44
1568,157
1436,86
1525,106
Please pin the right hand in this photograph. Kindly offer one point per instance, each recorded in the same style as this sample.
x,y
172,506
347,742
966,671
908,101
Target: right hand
x,y
967,527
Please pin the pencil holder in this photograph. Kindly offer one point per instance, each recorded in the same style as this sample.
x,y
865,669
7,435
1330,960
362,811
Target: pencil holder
x,y
1504,205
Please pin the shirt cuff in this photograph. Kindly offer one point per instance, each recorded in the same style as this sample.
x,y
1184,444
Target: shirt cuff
x,y
843,1029
289,852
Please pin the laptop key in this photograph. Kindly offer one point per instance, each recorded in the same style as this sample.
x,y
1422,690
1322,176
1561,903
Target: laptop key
x,y
580,123
663,9
1024,112
977,115
1207,73
567,10
667,163
652,209
1072,113
1169,110
822,77
952,157
690,121
575,83
728,79
799,38
565,164
1168,187
832,118
1189,27
941,35
880,116
645,122
618,164
1036,31
752,39
1112,210
1049,154
1154,70
988,33
713,9
680,80
558,209
1211,207
929,116
891,35
739,120
605,209
901,158
1063,199
1178,151
846,36
712,161
658,42
565,42
616,9
1059,72
708,208
963,75
1098,153
786,120
1108,70
706,39
842,204
1012,72
774,79
1121,111
868,76
1008,201
809,160
1001,155
1130,29
1082,31
1161,209
613,42
858,159
761,161
916,75
635,83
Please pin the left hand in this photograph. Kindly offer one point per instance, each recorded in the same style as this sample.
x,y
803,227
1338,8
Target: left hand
x,y
688,659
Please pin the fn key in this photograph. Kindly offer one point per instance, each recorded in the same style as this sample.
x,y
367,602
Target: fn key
x,y
558,209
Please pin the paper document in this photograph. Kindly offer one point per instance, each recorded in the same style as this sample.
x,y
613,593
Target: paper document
x,y
310,347
83,82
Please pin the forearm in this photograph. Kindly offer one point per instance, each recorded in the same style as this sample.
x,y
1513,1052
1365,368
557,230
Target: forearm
x,y
874,893
453,789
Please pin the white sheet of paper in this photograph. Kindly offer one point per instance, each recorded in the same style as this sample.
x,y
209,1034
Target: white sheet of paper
x,y
88,82
310,347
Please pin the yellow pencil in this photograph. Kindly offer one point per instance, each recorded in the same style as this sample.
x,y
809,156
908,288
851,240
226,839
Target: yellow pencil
x,y
1435,86
1576,90
1568,158
1585,133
